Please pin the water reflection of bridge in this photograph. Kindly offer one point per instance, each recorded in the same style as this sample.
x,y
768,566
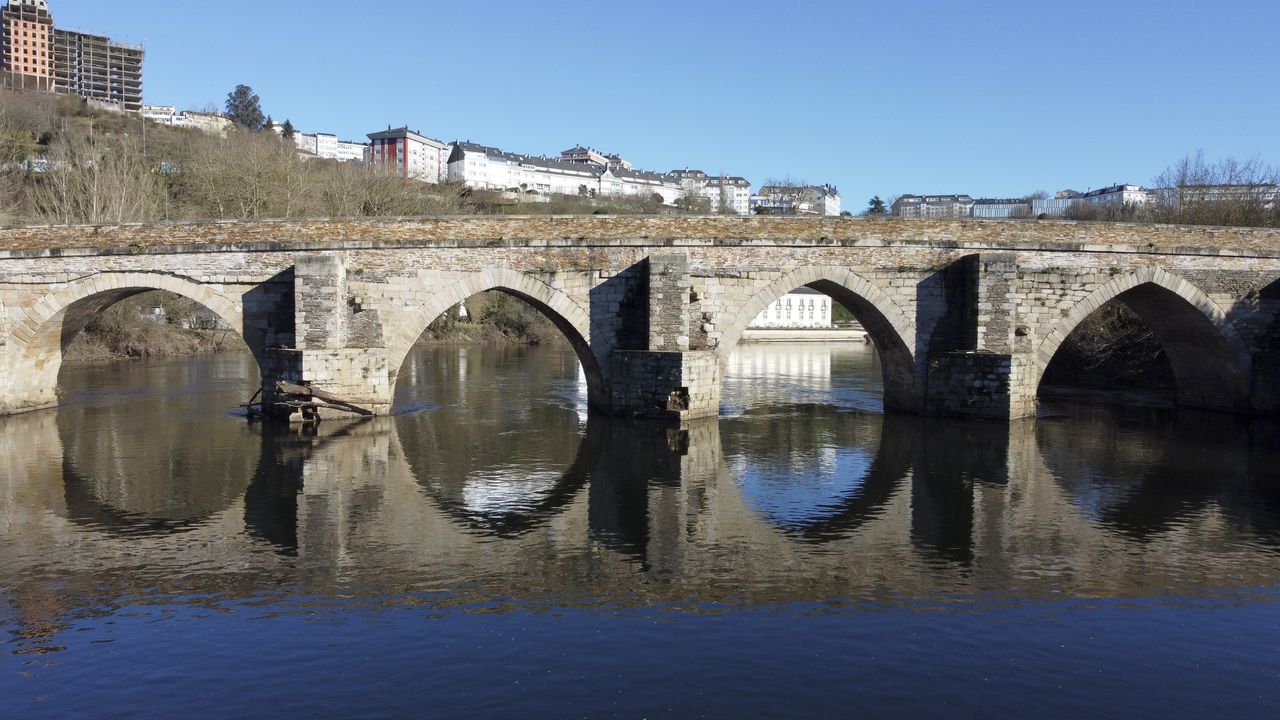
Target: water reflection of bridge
x,y
640,511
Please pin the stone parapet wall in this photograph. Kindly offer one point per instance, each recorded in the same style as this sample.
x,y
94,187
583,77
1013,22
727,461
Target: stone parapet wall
x,y
604,231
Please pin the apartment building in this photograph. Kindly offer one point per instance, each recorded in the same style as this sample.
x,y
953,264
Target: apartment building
x,y
933,206
821,200
723,194
410,154
1001,208
26,54
579,171
329,147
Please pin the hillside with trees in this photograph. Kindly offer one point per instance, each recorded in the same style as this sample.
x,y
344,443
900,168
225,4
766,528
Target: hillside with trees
x,y
64,162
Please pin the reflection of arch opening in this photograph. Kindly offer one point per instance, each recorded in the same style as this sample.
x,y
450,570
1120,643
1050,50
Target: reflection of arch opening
x,y
890,330
56,319
1209,360
175,476
888,465
1145,473
503,524
570,319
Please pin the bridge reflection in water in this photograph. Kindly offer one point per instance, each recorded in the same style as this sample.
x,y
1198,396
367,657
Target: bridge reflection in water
x,y
508,495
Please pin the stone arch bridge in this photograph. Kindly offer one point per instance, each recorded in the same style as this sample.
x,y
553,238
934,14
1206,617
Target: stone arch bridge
x,y
966,315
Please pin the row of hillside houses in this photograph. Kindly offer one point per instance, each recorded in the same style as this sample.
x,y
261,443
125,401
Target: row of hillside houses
x,y
582,171
1114,196
962,206
577,171
210,122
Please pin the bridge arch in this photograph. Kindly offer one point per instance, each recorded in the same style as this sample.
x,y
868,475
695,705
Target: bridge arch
x,y
570,318
1211,362
890,329
39,339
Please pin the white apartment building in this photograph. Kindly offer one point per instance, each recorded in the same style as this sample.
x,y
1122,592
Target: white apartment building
x,y
1001,208
721,192
823,200
800,308
169,115
588,173
163,114
933,206
1117,195
329,147
351,151
488,168
411,154
213,123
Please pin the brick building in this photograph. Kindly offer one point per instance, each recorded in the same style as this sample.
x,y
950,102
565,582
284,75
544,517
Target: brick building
x,y
26,58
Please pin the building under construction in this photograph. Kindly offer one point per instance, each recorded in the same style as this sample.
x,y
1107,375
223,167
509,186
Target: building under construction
x,y
38,56
94,67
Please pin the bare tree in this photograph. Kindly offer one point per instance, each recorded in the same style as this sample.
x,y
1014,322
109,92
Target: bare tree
x,y
87,180
1226,192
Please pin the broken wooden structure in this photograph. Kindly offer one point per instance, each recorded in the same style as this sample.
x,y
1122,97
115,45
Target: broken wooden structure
x,y
301,404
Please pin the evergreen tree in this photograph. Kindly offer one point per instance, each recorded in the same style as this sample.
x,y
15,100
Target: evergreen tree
x,y
287,130
269,124
244,108
876,206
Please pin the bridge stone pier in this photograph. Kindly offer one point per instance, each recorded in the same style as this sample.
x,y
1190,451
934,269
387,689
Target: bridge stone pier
x,y
965,315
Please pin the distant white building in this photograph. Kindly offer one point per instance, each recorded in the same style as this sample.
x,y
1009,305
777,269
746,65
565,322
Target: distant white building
x,y
328,146
619,181
488,168
210,122
933,206
410,154
720,192
823,200
351,151
163,114
1001,209
1117,195
579,171
800,308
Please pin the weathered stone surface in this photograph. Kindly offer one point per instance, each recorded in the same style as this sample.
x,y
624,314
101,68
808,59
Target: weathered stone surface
x,y
629,293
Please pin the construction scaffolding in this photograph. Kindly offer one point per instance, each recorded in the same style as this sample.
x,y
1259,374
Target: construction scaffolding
x,y
94,67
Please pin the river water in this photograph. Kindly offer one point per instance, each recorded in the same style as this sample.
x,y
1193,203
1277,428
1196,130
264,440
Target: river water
x,y
492,551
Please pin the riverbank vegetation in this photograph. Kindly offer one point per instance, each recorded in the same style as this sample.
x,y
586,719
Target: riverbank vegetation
x,y
154,324
1112,348
493,318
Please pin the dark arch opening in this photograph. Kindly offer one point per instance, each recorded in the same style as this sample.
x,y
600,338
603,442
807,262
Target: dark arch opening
x,y
1150,338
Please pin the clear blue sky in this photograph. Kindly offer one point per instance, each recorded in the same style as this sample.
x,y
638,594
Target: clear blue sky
x,y
989,98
